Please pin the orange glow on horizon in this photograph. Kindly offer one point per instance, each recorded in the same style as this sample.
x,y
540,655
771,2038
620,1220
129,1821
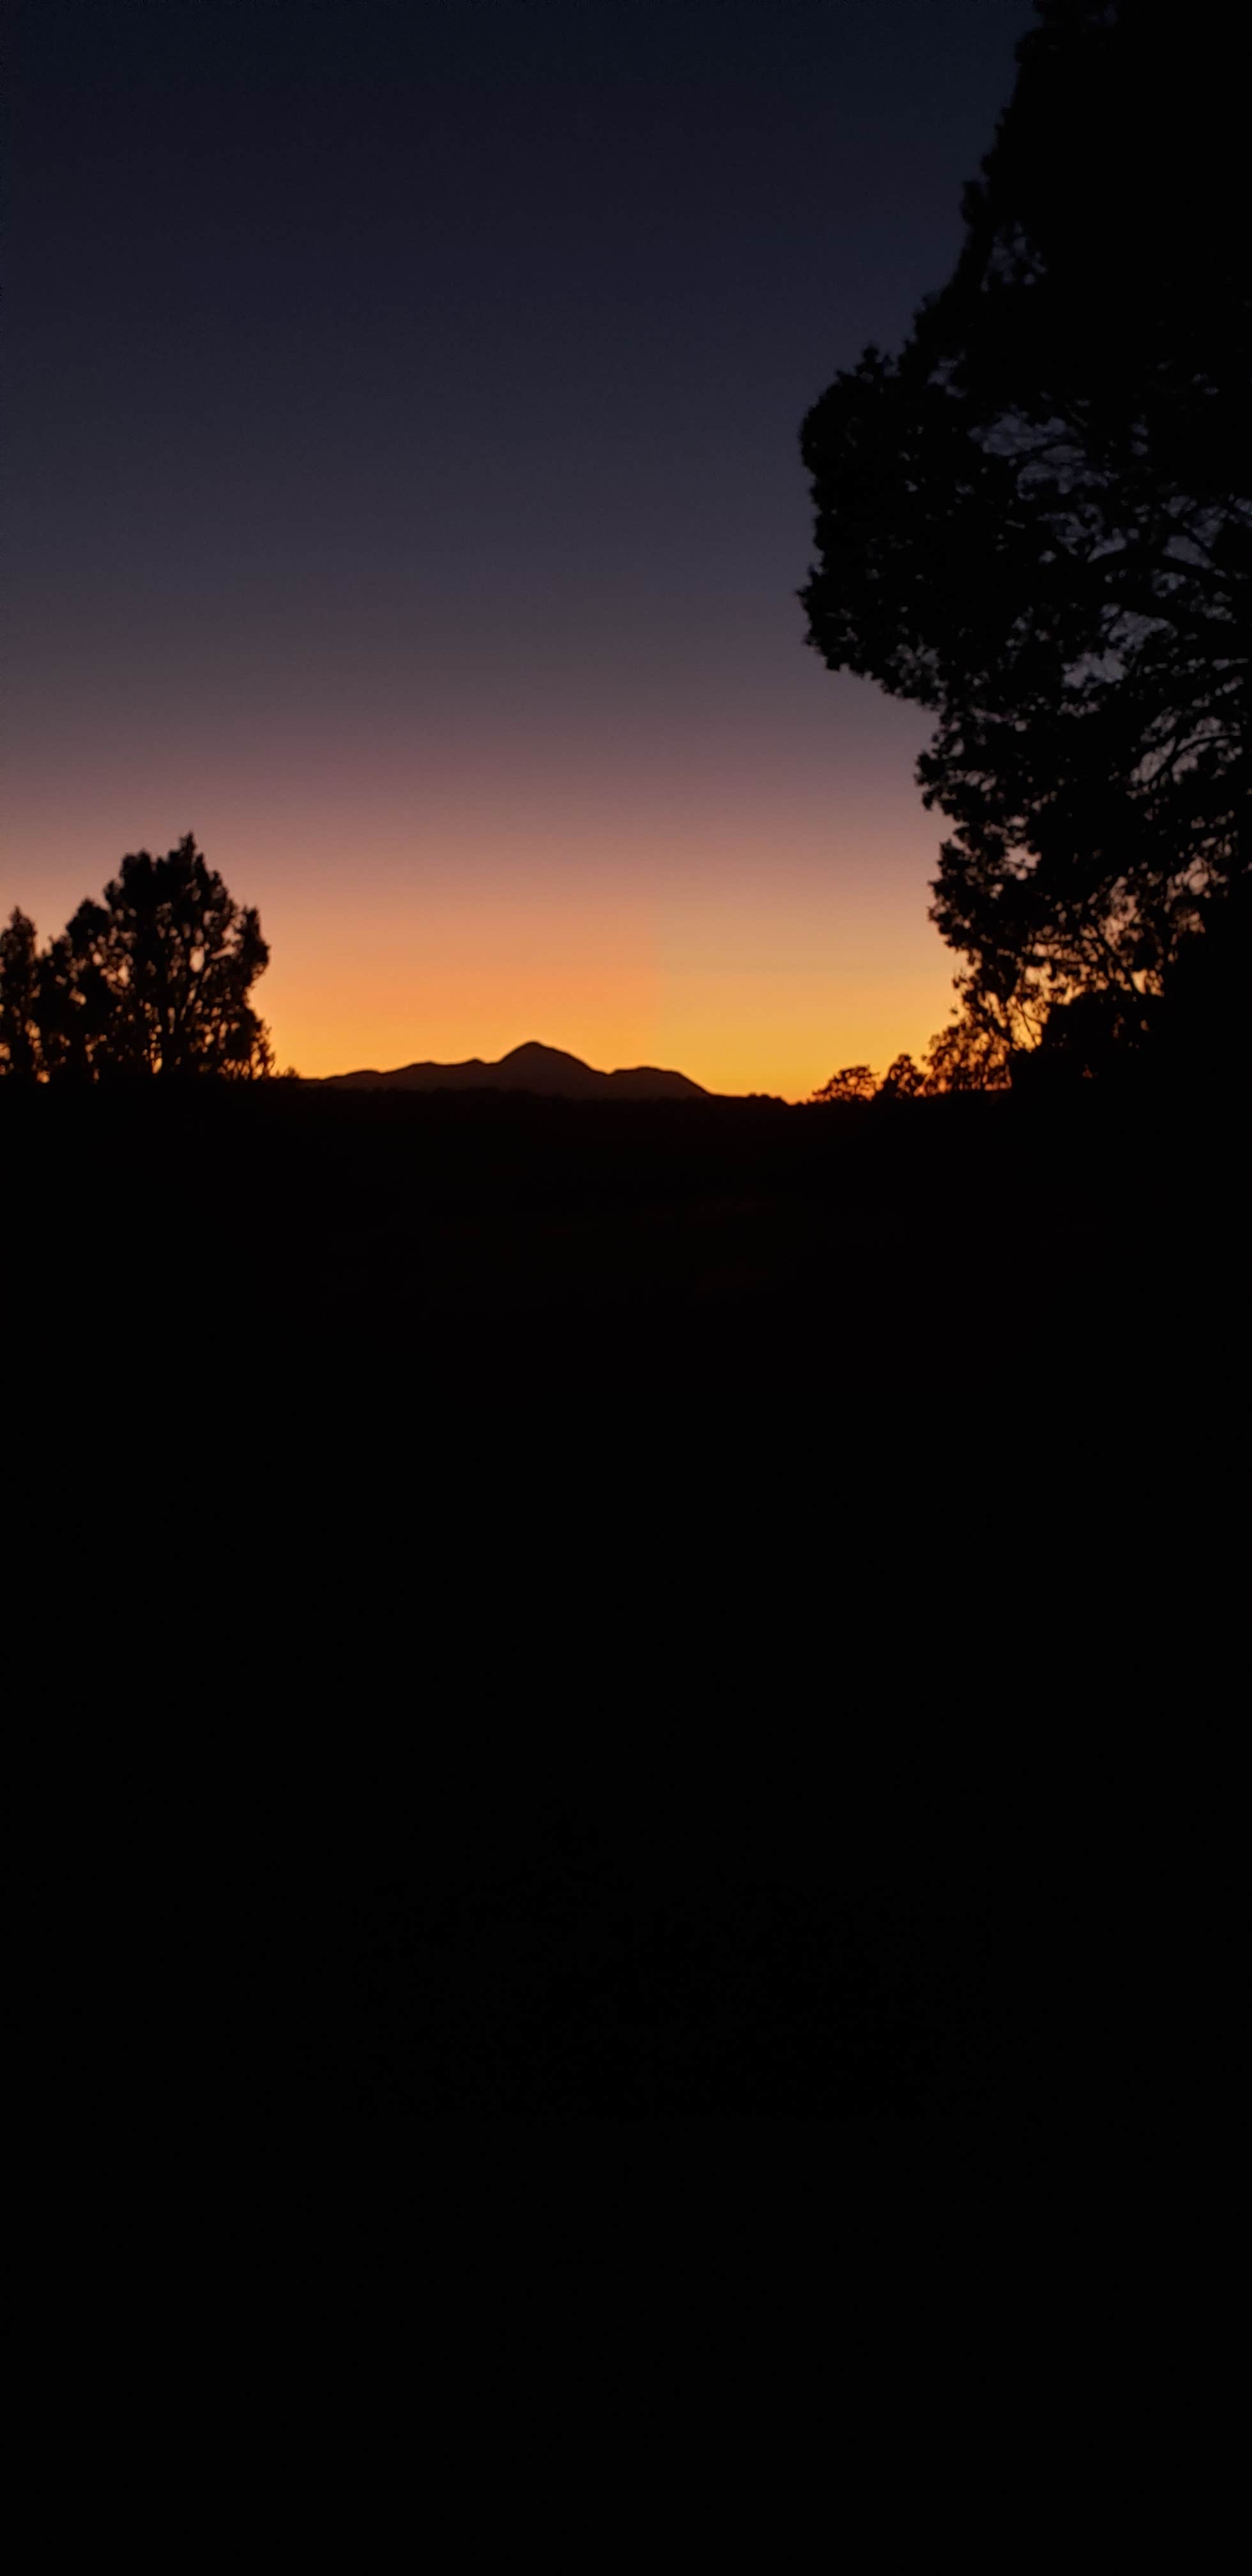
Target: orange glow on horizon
x,y
753,935
339,998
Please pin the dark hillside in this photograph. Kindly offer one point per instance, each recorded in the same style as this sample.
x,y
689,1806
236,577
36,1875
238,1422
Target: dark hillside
x,y
639,1606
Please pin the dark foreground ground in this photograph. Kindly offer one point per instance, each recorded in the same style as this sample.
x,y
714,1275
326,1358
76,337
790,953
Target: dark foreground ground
x,y
541,1609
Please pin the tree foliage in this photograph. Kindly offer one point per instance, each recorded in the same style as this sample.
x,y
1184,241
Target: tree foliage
x,y
852,1082
1037,522
903,1080
964,1056
155,979
19,998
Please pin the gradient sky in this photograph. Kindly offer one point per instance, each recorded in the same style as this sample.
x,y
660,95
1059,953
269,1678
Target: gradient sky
x,y
403,494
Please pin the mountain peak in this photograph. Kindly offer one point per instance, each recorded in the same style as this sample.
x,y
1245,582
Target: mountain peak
x,y
532,1050
548,1071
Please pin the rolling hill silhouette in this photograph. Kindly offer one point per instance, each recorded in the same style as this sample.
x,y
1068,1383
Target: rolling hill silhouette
x,y
546,1070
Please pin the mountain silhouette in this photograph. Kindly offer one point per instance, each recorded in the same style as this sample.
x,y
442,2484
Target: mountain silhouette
x,y
546,1070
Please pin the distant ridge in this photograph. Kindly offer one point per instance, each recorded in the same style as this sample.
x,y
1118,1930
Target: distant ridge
x,y
543,1069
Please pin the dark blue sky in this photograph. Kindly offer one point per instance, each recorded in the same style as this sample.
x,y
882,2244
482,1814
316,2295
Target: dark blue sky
x,y
402,491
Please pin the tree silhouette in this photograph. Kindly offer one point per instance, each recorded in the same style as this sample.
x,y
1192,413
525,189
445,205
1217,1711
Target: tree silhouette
x,y
1037,522
970,1054
153,980
86,1027
966,1056
19,998
852,1082
903,1080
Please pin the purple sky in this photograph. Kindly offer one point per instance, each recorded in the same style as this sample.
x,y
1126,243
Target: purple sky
x,y
403,494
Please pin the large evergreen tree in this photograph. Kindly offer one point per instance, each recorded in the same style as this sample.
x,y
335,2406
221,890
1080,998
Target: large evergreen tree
x,y
1037,522
155,979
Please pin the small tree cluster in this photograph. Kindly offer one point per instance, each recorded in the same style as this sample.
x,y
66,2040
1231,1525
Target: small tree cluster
x,y
852,1082
153,980
966,1056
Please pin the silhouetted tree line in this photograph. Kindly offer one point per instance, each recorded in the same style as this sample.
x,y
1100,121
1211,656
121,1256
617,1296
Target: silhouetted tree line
x,y
962,1057
153,980
1037,523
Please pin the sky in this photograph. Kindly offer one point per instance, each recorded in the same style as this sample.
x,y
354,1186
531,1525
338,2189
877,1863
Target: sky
x,y
402,492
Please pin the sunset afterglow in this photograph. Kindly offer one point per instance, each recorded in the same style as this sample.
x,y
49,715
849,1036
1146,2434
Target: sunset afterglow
x,y
428,546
